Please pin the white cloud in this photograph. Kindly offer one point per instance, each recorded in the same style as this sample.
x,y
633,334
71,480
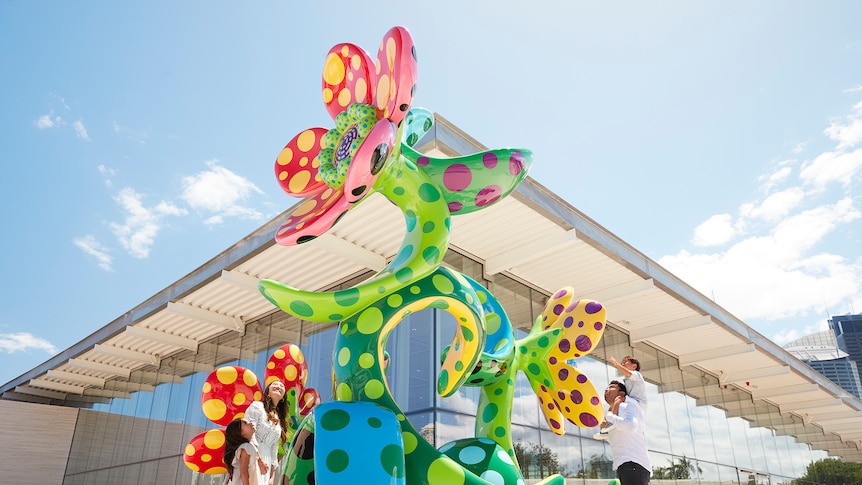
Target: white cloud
x,y
93,248
786,335
847,132
138,231
23,341
139,136
831,167
220,191
717,230
793,257
48,121
80,130
108,174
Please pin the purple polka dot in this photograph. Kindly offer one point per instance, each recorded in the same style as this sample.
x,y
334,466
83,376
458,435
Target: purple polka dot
x,y
543,388
552,360
561,395
554,423
583,343
457,177
582,378
516,163
589,420
572,305
490,160
455,206
560,294
488,195
422,161
581,324
598,325
594,400
576,397
558,309
565,345
551,405
568,321
563,374
593,307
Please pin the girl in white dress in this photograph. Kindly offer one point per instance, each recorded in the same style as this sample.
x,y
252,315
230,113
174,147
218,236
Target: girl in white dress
x,y
270,428
240,455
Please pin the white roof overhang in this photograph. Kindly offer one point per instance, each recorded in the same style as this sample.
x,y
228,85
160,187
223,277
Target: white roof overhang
x,y
563,247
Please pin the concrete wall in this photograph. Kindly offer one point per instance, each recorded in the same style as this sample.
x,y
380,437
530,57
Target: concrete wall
x,y
35,441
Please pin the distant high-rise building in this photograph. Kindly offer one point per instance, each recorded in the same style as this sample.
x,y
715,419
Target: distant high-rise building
x,y
848,333
820,351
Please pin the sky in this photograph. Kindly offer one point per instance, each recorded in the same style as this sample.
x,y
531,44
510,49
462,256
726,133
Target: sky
x,y
721,139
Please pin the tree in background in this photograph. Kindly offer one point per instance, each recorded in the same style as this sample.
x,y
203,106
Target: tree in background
x,y
831,471
682,469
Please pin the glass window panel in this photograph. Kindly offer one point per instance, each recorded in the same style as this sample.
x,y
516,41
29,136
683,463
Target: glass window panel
x,y
411,369
560,454
721,440
453,426
525,441
596,462
738,436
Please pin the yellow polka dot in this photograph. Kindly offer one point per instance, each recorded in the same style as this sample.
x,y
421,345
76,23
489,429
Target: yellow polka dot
x,y
270,365
214,439
333,70
382,91
290,373
249,378
258,395
444,471
409,442
374,389
239,399
218,470
193,467
343,357
355,61
342,392
226,375
345,51
305,140
303,161
377,66
299,181
327,95
297,354
326,193
207,387
305,207
350,76
285,157
206,458
190,450
279,354
344,97
214,409
390,52
360,89
366,360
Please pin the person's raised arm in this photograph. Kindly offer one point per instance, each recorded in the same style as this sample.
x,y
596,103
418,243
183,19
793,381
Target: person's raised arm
x,y
620,368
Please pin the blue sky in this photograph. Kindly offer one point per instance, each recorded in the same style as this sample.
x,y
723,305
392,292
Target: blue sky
x,y
722,139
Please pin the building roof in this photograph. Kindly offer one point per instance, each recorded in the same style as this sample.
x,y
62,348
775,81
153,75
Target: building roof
x,y
562,247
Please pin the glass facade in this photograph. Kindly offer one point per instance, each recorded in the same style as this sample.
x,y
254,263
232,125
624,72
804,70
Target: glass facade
x,y
696,432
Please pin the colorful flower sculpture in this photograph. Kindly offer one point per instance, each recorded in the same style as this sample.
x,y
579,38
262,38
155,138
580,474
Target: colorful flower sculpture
x,y
228,391
371,149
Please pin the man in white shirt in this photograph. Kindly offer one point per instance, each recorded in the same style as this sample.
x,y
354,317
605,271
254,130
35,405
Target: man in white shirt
x,y
627,439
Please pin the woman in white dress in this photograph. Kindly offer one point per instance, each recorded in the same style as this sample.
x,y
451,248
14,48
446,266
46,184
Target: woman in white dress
x,y
270,428
240,456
